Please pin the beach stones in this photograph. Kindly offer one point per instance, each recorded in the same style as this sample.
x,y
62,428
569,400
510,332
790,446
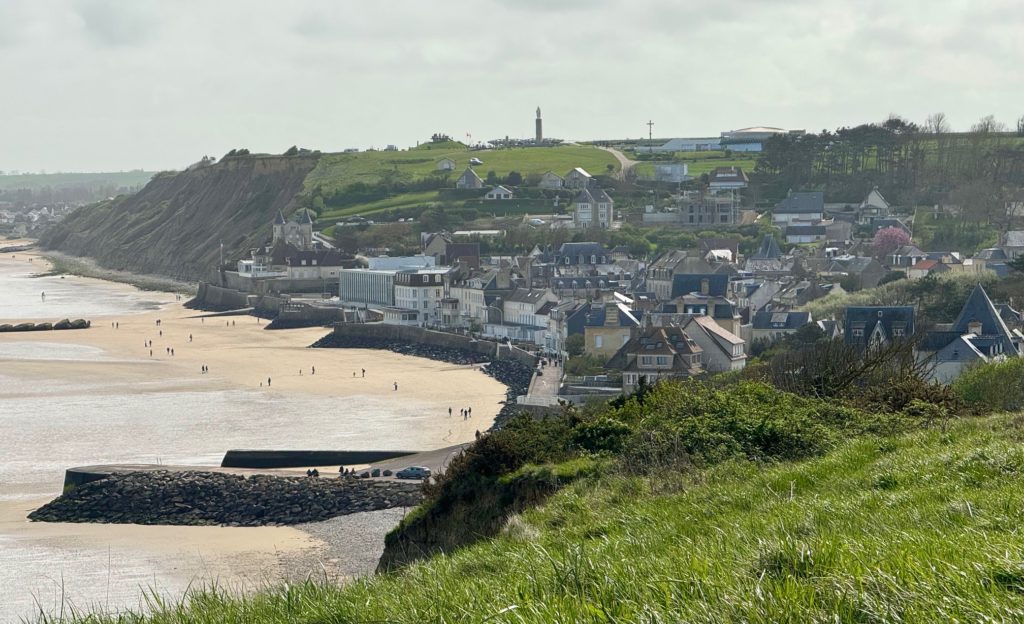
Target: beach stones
x,y
63,324
212,498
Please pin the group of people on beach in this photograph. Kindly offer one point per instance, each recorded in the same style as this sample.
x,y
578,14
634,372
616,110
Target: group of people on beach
x,y
465,412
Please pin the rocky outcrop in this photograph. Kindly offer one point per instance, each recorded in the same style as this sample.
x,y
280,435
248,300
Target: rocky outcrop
x,y
64,324
211,498
514,375
176,224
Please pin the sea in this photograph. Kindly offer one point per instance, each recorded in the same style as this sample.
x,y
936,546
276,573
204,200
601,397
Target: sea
x,y
50,424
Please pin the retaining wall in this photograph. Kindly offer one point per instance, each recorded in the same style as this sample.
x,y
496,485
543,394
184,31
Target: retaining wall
x,y
302,459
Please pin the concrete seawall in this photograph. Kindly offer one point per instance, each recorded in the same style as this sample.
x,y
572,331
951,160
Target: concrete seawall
x,y
418,335
257,459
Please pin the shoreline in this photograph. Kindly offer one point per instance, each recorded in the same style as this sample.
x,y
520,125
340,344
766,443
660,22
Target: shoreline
x,y
111,359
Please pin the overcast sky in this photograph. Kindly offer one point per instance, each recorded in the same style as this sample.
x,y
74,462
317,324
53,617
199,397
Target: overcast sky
x,y
92,85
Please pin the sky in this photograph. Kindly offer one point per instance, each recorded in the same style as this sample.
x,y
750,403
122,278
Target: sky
x,y
104,85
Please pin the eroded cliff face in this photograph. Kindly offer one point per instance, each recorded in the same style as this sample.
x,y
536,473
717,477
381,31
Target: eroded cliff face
x,y
176,224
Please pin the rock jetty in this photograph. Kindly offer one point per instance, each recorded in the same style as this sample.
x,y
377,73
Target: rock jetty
x,y
212,498
64,324
514,375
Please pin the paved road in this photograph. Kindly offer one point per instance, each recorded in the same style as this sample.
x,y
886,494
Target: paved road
x,y
546,385
625,163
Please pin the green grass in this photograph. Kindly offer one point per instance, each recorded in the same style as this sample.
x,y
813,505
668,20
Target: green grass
x,y
405,200
338,170
34,181
923,527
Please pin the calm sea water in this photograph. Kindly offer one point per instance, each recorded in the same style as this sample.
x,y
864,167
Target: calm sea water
x,y
50,424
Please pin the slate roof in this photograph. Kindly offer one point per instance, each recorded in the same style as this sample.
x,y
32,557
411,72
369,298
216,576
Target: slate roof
x,y
597,315
781,320
979,308
1014,238
880,320
671,341
279,219
992,253
805,230
769,249
684,284
526,295
725,175
802,203
574,250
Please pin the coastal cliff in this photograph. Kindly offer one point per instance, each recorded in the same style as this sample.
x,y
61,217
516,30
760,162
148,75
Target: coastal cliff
x,y
176,224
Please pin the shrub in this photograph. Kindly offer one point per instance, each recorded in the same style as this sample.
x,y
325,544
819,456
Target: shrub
x,y
993,386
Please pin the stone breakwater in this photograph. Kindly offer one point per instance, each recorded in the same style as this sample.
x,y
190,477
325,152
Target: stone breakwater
x,y
210,498
64,324
514,375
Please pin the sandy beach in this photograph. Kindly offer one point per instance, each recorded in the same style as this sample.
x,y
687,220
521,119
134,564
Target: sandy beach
x,y
258,382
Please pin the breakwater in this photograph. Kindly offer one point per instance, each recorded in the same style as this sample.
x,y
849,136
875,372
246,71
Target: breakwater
x,y
512,373
59,325
210,498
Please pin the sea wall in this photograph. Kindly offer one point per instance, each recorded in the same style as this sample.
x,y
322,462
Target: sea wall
x,y
300,459
511,367
210,498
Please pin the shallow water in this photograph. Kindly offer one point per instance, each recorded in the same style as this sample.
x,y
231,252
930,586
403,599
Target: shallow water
x,y
50,422
71,297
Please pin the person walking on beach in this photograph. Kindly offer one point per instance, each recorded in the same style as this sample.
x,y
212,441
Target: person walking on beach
x,y
190,337
150,353
313,369
300,372
172,352
449,412
469,410
364,373
43,296
396,386
268,382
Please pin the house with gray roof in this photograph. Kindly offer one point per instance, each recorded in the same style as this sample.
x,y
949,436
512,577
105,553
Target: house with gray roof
x,y
877,326
592,207
469,180
799,206
771,326
577,178
657,353
979,334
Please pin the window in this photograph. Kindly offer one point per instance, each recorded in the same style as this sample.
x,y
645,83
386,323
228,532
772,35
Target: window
x,y
593,259
625,339
898,332
858,333
662,360
598,341
437,278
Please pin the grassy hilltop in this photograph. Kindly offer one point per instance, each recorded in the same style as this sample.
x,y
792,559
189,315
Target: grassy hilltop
x,y
695,504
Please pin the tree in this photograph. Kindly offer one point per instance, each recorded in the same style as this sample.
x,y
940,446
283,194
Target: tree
x,y
888,240
574,345
492,178
988,125
937,123
514,178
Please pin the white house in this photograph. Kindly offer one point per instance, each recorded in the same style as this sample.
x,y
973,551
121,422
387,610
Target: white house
x,y
446,164
498,193
723,350
422,291
803,207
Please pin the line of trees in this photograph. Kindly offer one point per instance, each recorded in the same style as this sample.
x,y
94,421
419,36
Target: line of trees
x,y
912,163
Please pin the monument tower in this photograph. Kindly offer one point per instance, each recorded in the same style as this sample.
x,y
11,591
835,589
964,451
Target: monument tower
x,y
540,128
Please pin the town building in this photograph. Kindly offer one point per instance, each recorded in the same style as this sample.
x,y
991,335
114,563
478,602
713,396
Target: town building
x,y
607,327
498,193
805,207
657,353
551,181
577,179
422,291
877,326
297,231
469,180
721,350
445,164
592,207
771,326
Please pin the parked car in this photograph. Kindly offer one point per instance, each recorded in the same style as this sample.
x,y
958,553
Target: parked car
x,y
475,161
413,472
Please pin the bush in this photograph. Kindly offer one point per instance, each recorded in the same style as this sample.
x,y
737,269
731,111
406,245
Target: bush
x,y
994,386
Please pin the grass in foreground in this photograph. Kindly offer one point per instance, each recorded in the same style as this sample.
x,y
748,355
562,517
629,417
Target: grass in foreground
x,y
919,527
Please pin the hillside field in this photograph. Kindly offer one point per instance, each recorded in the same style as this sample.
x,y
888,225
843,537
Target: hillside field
x,y
336,171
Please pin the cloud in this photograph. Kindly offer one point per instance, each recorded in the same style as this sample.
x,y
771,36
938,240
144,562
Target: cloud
x,y
114,23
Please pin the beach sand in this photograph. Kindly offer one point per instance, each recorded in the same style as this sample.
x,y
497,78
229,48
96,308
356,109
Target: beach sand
x,y
240,354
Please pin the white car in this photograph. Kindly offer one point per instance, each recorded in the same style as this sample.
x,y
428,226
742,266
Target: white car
x,y
475,161
536,222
